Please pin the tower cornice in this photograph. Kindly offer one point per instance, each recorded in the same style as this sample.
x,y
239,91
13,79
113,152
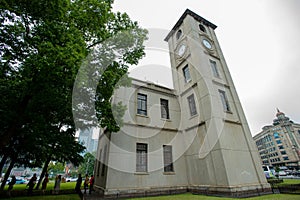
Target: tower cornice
x,y
195,16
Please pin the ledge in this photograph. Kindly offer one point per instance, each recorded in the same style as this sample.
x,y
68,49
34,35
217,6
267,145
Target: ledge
x,y
139,115
217,82
141,173
152,127
190,88
195,126
232,122
168,173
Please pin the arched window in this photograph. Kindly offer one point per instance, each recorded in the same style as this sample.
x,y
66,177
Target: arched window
x,y
202,28
178,34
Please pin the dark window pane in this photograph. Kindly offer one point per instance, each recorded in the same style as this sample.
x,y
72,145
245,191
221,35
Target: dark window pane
x,y
214,69
168,160
104,160
142,104
192,105
178,34
141,157
186,73
164,105
224,101
202,28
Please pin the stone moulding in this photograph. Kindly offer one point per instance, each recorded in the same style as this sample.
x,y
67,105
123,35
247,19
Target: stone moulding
x,y
234,191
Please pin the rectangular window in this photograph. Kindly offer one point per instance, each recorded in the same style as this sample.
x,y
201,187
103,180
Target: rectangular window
x,y
99,163
141,157
278,142
214,68
280,147
192,105
168,160
285,158
98,167
186,73
142,104
104,161
164,106
276,135
224,100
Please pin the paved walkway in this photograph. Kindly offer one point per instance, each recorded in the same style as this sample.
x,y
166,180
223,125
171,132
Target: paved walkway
x,y
93,196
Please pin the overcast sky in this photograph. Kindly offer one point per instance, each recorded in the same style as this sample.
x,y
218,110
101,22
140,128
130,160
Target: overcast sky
x,y
260,40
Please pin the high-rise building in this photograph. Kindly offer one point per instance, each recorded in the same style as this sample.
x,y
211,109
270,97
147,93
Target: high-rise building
x,y
194,137
279,144
89,138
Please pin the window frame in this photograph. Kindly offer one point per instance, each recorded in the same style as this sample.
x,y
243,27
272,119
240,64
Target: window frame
x,y
214,68
178,34
168,158
285,158
142,104
103,168
186,74
224,101
99,163
202,28
141,157
192,105
164,107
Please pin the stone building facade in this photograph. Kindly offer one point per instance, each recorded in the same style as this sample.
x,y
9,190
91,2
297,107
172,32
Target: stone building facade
x,y
279,144
194,137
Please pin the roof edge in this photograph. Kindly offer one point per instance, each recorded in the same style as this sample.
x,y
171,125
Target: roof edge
x,y
196,17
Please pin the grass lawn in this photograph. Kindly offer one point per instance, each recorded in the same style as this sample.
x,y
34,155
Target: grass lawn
x,y
50,197
50,186
289,182
187,196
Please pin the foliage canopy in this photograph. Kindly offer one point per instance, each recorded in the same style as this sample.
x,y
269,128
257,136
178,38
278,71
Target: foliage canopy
x,y
43,44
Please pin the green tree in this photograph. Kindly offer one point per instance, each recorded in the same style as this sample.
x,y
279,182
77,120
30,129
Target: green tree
x,y
42,46
87,166
56,167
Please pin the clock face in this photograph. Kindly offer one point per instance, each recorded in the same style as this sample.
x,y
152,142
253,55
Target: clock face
x,y
181,50
206,43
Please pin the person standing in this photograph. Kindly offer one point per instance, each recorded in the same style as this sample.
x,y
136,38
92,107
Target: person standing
x,y
57,184
91,183
11,184
55,181
78,184
86,183
31,184
44,183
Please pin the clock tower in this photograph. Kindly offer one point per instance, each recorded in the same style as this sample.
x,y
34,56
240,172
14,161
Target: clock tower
x,y
193,138
221,156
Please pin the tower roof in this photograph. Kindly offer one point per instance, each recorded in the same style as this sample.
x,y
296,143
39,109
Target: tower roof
x,y
196,17
279,113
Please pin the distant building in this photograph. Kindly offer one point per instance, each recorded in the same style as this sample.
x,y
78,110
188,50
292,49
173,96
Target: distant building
x,y
20,171
89,138
279,144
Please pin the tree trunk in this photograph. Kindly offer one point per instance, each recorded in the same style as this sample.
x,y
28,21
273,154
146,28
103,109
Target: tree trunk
x,y
2,163
43,173
11,165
